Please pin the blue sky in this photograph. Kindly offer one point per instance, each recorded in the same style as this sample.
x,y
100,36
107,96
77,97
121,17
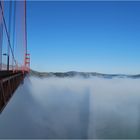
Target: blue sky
x,y
84,36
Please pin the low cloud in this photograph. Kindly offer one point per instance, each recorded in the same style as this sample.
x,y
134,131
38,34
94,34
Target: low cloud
x,y
73,108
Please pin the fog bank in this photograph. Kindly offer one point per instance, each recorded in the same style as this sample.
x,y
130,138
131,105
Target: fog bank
x,y
73,108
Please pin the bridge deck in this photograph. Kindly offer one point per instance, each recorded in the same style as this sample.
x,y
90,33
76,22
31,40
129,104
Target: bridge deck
x,y
9,82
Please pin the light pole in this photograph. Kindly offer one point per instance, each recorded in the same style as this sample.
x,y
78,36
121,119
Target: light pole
x,y
7,60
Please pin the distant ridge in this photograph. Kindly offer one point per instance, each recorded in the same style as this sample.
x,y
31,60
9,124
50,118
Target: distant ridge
x,y
80,74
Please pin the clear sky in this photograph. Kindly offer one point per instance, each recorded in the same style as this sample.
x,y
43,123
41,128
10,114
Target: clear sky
x,y
84,36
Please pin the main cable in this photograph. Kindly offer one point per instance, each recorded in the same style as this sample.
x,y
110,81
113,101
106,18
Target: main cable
x,y
8,38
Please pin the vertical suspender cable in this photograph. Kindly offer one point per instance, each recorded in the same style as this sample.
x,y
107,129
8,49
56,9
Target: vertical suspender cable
x,y
25,32
14,25
25,28
9,31
1,37
9,24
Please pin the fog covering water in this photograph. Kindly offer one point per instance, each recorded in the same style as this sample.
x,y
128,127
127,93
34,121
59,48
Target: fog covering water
x,y
73,108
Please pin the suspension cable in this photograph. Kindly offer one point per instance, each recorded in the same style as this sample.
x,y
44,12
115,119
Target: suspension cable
x,y
9,25
14,24
8,38
25,20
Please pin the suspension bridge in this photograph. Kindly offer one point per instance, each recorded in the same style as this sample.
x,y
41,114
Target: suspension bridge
x,y
14,57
